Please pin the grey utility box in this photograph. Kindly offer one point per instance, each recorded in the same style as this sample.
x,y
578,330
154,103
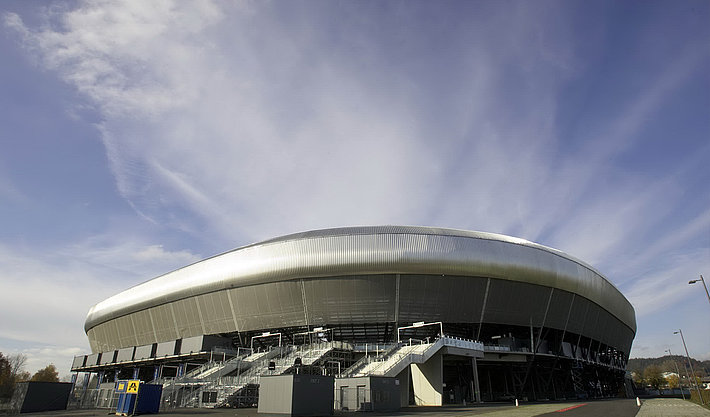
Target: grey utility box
x,y
367,393
296,395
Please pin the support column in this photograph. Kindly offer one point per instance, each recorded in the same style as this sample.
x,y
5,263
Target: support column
x,y
476,384
403,379
136,370
74,377
428,381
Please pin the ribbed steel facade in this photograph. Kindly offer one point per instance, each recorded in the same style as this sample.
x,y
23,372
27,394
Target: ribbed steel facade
x,y
369,276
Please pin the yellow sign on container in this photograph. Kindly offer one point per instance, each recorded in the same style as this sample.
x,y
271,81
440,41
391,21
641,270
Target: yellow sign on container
x,y
133,386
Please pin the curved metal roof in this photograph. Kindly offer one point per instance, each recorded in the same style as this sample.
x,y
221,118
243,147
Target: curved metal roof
x,y
373,250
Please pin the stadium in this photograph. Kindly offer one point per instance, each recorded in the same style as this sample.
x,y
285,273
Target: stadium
x,y
454,316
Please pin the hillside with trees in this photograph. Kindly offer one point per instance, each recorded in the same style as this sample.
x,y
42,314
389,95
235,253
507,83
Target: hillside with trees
x,y
666,364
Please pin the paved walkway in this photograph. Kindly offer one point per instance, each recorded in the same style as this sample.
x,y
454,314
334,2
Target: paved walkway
x,y
671,407
657,407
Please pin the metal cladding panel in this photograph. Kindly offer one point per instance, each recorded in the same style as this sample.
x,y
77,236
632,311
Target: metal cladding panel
x,y
93,340
125,354
165,349
107,357
359,299
78,361
126,333
106,336
216,313
187,317
163,322
371,251
433,298
93,359
272,305
143,352
203,343
191,344
582,317
515,303
143,326
559,309
591,327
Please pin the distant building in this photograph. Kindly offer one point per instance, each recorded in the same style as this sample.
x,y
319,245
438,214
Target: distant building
x,y
539,323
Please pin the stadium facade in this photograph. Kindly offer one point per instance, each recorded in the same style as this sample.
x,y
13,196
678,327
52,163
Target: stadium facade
x,y
494,318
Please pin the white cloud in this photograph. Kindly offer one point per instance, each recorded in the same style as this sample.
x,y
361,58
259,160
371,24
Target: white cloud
x,y
224,121
46,295
658,290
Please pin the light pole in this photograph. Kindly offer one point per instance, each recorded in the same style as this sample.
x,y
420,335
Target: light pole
x,y
704,285
678,371
692,371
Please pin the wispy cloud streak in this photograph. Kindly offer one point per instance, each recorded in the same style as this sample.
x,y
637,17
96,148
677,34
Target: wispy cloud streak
x,y
243,121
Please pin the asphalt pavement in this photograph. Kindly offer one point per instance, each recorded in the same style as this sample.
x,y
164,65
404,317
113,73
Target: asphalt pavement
x,y
605,408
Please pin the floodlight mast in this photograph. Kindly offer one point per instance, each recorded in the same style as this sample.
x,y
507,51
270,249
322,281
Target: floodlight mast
x,y
692,371
704,285
680,384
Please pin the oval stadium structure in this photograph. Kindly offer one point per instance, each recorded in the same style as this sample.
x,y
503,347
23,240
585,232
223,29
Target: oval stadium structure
x,y
498,317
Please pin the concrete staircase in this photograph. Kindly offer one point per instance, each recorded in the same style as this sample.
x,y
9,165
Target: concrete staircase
x,y
397,359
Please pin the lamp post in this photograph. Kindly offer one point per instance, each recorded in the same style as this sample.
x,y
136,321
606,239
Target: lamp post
x,y
692,371
678,371
704,285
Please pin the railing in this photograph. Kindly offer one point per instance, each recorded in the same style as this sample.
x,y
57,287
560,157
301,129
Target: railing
x,y
412,351
227,387
367,359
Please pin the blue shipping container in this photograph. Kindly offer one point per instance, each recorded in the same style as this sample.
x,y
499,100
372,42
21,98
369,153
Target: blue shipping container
x,y
148,400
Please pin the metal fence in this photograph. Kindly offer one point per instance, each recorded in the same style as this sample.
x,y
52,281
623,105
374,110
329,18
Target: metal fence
x,y
353,399
93,398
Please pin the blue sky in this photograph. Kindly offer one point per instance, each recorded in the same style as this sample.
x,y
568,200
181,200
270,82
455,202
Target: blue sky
x,y
138,137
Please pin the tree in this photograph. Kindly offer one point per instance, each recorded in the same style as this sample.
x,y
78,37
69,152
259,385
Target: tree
x,y
6,381
638,379
17,363
653,376
23,376
673,381
48,374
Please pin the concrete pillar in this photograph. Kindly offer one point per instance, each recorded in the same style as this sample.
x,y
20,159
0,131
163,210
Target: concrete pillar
x,y
403,379
428,381
476,384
